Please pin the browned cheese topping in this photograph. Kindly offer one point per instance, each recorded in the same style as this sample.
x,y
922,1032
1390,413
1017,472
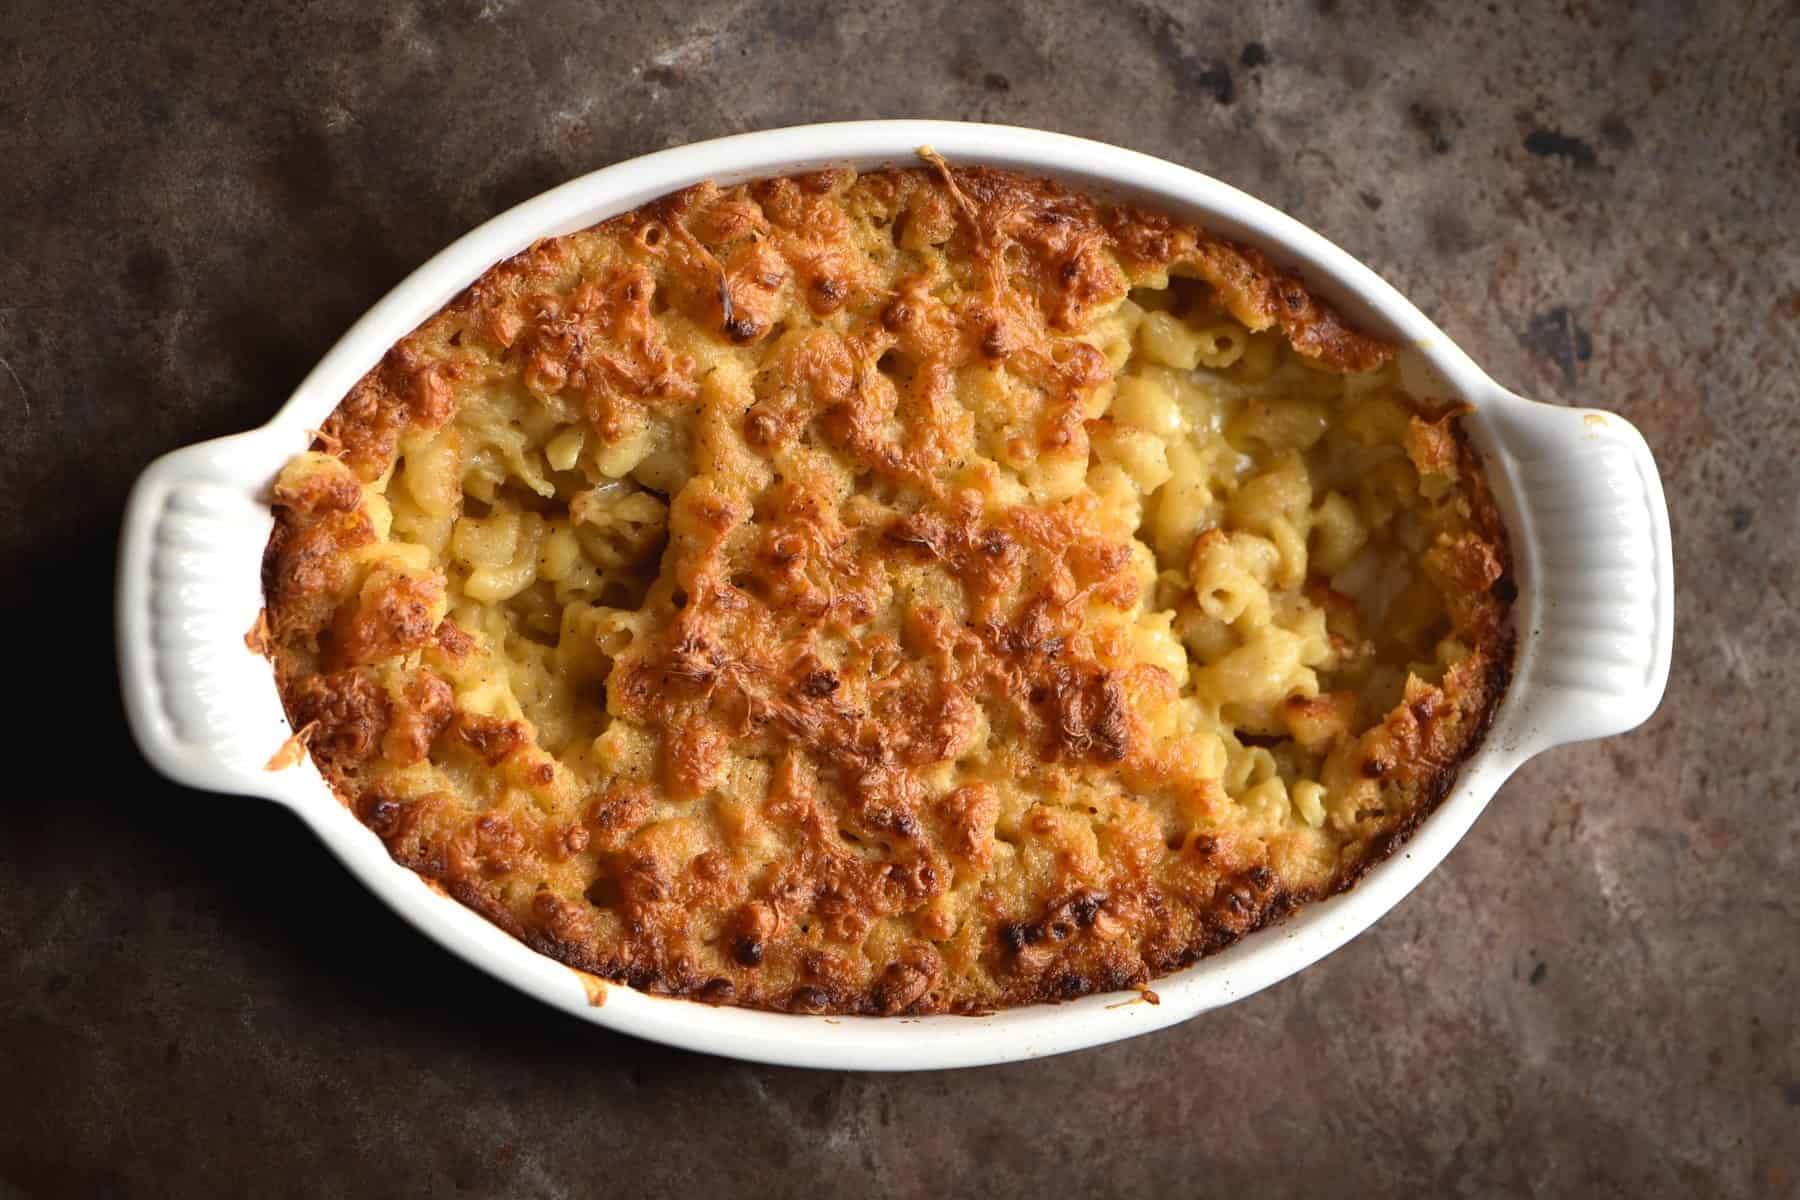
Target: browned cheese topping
x,y
907,592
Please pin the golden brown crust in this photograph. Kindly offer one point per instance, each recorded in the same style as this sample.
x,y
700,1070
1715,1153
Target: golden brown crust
x,y
753,598
349,715
1255,291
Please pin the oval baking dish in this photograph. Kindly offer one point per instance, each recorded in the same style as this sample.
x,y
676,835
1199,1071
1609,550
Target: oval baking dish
x,y
1578,491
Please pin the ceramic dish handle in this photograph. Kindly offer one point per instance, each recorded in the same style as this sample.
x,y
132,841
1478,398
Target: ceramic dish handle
x,y
1597,573
201,704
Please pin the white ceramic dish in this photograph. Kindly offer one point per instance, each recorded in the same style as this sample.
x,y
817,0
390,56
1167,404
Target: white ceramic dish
x,y
1578,489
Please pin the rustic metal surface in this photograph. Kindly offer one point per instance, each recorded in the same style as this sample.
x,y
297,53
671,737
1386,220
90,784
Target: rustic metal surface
x,y
1594,995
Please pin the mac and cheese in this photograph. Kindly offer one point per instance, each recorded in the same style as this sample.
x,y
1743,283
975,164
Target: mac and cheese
x,y
905,592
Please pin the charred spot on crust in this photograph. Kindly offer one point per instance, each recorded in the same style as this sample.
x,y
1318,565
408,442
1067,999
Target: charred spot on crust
x,y
492,739
742,330
901,987
718,991
828,294
1088,714
808,999
351,713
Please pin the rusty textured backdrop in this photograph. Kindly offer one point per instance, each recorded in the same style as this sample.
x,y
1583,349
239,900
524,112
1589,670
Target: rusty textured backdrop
x,y
1595,994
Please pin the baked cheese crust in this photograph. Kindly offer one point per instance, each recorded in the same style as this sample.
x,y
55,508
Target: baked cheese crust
x,y
916,591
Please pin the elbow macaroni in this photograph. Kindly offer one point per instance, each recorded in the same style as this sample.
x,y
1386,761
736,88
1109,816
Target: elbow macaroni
x,y
1254,480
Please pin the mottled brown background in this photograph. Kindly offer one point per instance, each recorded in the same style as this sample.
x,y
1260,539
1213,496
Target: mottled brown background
x,y
1594,995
